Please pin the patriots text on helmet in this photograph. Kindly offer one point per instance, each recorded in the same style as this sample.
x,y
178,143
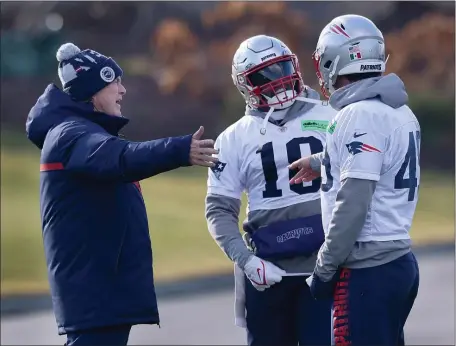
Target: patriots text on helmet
x,y
268,56
376,67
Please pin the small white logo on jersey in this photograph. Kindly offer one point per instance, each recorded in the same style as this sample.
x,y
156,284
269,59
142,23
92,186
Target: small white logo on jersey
x,y
218,169
294,234
107,74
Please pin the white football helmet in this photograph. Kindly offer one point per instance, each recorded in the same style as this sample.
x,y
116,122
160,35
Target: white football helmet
x,y
266,73
349,44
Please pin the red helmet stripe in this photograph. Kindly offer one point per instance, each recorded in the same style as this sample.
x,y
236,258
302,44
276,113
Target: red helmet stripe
x,y
338,28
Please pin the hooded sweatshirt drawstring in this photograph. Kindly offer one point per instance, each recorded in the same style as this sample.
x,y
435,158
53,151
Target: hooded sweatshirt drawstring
x,y
271,110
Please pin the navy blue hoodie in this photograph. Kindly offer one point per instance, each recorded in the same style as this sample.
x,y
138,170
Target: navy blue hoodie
x,y
94,222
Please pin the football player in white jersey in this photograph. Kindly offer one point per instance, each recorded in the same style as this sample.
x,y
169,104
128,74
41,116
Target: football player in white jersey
x,y
284,119
370,173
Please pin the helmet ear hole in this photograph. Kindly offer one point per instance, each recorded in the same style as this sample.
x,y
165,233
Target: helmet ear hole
x,y
327,64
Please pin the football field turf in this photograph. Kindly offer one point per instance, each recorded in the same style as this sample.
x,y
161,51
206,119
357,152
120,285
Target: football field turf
x,y
182,246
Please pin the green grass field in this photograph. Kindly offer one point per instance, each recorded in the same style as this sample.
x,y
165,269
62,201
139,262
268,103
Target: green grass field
x,y
182,245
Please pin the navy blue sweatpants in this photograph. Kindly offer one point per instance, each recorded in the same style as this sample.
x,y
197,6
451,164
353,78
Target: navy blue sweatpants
x,y
286,314
371,305
108,336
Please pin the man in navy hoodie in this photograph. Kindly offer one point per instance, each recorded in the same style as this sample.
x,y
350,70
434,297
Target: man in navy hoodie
x,y
94,221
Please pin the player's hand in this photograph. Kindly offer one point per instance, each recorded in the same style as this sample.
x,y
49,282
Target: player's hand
x,y
321,290
305,173
201,150
262,274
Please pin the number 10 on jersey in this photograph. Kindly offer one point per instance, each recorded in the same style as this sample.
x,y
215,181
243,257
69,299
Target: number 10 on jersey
x,y
293,153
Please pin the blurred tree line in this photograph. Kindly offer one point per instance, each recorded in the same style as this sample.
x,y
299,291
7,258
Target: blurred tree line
x,y
177,57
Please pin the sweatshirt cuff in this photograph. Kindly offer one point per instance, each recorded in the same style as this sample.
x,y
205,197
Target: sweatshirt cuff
x,y
184,144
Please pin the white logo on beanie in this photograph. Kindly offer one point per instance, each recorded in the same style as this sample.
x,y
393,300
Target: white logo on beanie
x,y
92,60
66,52
107,74
95,53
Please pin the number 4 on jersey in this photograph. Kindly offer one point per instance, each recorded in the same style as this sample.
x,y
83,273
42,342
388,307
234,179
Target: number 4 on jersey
x,y
411,161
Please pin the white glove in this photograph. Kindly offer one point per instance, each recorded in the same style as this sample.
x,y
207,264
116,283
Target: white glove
x,y
262,274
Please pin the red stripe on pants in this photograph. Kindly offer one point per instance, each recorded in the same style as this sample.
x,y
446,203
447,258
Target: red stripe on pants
x,y
341,318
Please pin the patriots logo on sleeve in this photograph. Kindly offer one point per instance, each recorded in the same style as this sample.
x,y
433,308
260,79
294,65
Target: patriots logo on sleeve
x,y
218,169
358,147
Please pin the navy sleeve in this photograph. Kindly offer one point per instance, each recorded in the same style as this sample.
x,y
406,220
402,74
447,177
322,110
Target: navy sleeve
x,y
101,155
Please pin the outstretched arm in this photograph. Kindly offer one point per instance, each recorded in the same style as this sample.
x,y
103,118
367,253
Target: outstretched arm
x,y
97,154
308,168
94,153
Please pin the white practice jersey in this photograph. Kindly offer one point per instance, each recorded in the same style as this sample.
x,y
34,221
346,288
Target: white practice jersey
x,y
264,174
372,141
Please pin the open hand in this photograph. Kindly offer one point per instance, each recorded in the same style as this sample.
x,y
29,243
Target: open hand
x,y
201,150
305,173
